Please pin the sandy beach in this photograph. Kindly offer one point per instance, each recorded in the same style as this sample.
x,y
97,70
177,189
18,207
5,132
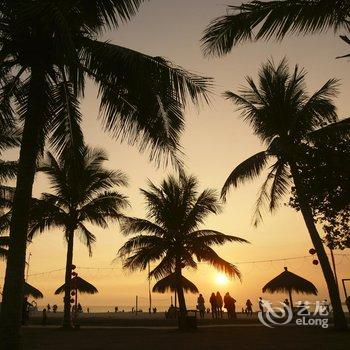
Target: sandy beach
x,y
234,337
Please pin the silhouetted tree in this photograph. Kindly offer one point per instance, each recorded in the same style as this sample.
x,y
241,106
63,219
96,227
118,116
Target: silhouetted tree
x,y
49,49
284,117
83,192
171,237
325,170
256,20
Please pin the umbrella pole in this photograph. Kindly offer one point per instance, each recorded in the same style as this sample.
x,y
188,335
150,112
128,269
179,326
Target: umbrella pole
x,y
290,299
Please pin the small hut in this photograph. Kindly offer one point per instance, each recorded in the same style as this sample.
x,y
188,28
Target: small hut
x,y
30,291
288,282
81,285
169,283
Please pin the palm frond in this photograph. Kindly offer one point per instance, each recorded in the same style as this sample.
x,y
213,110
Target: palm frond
x,y
207,254
102,207
247,170
9,137
264,19
139,243
86,237
66,133
142,97
206,203
210,237
8,170
130,225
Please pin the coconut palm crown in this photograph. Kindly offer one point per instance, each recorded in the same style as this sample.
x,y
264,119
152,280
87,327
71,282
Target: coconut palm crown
x,y
171,238
83,193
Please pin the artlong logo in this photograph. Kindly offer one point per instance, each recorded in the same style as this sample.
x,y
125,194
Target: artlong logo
x,y
283,315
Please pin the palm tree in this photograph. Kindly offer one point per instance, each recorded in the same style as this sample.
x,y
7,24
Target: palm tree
x,y
274,19
285,118
82,193
49,50
175,211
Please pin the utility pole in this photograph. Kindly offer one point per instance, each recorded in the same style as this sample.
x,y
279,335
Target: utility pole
x,y
28,264
137,302
149,288
334,269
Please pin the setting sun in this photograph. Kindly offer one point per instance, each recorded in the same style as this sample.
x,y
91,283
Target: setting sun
x,y
221,279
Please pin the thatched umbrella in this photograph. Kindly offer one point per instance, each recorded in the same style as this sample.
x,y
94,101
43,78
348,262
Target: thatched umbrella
x,y
82,286
169,283
290,282
29,290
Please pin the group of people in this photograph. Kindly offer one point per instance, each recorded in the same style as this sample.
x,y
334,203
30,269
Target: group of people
x,y
218,303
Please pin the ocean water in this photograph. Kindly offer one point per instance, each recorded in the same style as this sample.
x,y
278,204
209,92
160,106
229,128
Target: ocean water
x,y
109,308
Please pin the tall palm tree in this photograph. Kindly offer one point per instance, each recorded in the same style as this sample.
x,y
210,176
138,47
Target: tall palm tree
x,y
175,210
49,49
284,117
256,20
83,192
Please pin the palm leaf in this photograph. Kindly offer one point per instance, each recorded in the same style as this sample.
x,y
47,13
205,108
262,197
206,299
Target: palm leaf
x,y
142,97
210,237
272,18
247,170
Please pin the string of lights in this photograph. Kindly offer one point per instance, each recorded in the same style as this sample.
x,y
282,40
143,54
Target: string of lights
x,y
236,263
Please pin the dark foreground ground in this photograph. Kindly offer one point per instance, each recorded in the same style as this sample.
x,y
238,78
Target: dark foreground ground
x,y
230,337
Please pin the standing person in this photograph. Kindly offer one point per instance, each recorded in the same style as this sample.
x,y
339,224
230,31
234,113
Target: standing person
x,y
44,319
25,312
249,309
227,304
219,304
261,304
201,306
233,301
48,308
214,305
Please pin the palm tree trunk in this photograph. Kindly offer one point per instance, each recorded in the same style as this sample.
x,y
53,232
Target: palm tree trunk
x,y
338,313
12,300
181,298
67,321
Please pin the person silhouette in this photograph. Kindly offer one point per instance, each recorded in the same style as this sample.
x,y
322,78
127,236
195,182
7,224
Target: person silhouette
x,y
249,309
214,305
261,304
219,304
230,305
44,318
201,306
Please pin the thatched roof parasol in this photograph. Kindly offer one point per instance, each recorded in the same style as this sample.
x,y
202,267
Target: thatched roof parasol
x,y
288,282
83,286
29,290
169,283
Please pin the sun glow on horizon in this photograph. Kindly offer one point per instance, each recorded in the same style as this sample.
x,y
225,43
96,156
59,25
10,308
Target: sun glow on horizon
x,y
221,279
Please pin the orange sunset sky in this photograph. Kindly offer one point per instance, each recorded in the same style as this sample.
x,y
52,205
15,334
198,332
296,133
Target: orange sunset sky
x,y
215,141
